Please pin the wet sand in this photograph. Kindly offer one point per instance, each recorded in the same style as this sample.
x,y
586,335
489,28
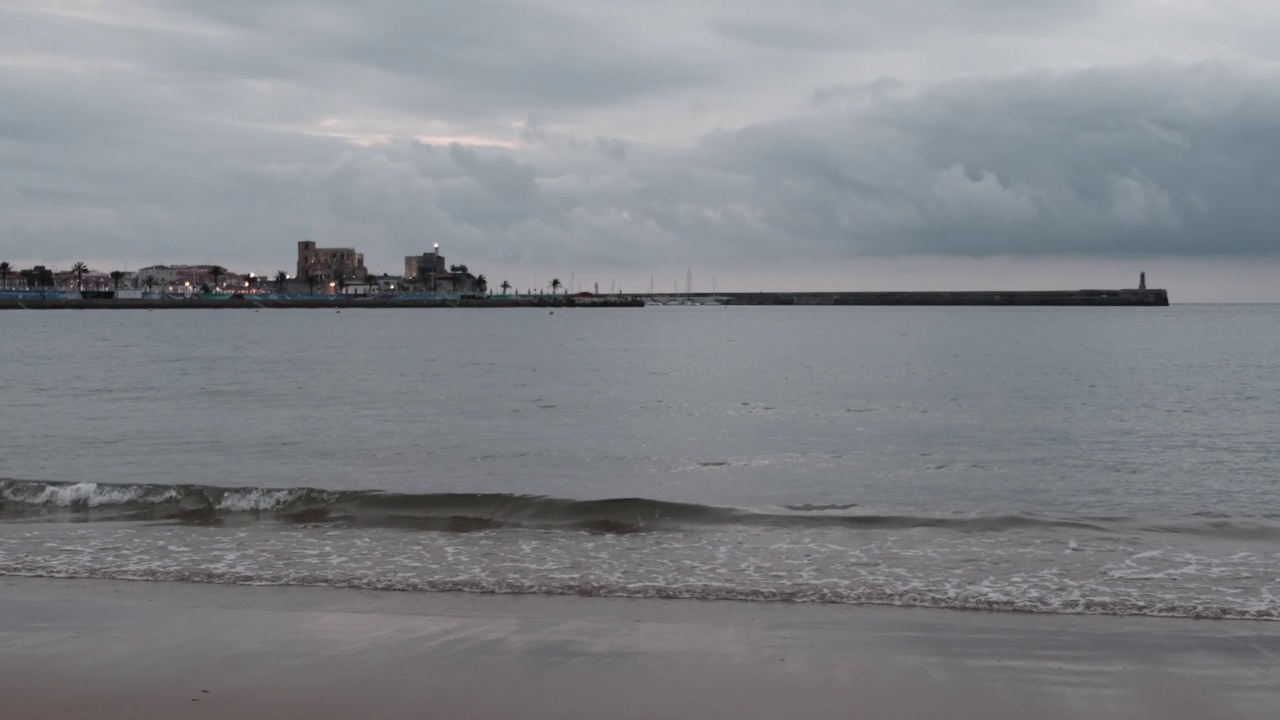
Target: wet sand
x,y
109,649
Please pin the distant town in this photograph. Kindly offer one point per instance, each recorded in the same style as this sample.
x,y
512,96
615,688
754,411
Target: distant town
x,y
319,271
337,276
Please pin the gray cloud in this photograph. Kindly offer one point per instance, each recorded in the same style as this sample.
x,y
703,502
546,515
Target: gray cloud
x,y
1143,159
541,133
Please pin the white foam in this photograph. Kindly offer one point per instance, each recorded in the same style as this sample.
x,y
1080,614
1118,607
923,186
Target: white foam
x,y
923,569
89,494
255,500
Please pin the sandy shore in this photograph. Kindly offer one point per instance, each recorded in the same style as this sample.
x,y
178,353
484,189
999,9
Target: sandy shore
x,y
103,649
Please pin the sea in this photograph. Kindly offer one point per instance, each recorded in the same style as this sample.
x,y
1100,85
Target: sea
x,y
1035,459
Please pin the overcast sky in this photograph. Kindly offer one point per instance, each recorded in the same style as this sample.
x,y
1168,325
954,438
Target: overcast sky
x,y
914,144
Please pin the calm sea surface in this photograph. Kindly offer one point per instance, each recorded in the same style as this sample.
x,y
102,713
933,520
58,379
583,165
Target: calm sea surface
x,y
1047,459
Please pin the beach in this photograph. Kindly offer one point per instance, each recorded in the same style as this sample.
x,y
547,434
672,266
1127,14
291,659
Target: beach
x,y
141,650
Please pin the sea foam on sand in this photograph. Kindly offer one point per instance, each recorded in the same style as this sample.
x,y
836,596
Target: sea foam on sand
x,y
110,649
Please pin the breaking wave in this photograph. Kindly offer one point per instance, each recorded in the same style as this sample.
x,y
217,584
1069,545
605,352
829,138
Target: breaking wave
x,y
642,548
485,511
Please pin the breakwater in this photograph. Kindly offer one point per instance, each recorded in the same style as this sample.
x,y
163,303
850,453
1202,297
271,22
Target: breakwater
x,y
1143,298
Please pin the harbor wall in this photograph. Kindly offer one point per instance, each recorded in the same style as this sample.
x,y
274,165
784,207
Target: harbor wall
x,y
317,302
1149,298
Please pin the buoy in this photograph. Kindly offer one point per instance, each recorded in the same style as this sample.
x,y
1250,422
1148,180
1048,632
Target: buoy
x,y
553,312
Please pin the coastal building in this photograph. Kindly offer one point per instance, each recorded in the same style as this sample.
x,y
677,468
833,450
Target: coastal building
x,y
416,266
354,288
38,277
327,264
92,280
162,275
388,285
428,271
198,275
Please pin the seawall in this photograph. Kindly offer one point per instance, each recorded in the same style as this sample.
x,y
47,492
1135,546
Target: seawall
x,y
1142,298
319,302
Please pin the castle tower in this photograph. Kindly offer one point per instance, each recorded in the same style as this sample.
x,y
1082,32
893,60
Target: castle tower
x,y
1142,281
306,252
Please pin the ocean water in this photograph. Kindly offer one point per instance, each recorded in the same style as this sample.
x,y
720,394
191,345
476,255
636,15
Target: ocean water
x,y
1078,460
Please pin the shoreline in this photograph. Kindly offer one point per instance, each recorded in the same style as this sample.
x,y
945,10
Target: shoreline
x,y
115,649
1057,298
319,303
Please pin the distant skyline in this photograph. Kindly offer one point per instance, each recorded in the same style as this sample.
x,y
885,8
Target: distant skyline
x,y
921,144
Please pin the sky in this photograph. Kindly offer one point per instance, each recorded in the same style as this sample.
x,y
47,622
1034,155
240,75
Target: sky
x,y
812,144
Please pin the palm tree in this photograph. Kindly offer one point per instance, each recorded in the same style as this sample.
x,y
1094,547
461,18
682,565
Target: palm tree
x,y
79,269
482,284
555,285
116,277
311,281
5,269
282,277
342,284
150,281
506,287
216,272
